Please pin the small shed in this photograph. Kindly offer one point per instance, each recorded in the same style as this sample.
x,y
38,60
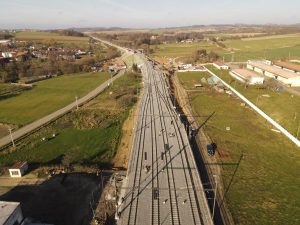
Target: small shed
x,y
220,65
18,169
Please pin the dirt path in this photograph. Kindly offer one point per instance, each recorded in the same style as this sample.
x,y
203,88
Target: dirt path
x,y
123,153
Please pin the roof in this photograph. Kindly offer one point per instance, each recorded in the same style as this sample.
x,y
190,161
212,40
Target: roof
x,y
219,63
18,165
6,209
246,73
288,65
4,41
273,69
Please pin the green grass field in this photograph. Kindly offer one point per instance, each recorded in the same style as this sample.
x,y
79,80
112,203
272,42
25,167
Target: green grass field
x,y
283,107
189,79
271,47
44,36
181,49
48,96
266,184
90,135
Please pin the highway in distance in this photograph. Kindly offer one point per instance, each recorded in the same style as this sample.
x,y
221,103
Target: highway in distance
x,y
162,185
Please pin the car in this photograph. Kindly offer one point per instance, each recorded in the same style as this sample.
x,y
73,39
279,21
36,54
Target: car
x,y
211,149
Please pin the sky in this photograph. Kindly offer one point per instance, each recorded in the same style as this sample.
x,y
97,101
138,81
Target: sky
x,y
51,14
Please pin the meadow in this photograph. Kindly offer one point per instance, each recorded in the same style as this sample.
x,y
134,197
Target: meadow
x,y
282,106
89,136
46,36
264,188
48,96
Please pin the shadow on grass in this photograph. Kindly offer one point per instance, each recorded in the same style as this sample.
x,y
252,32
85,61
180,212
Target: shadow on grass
x,y
6,96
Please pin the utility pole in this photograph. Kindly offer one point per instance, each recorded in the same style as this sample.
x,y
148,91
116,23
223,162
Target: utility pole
x,y
77,106
174,101
11,137
101,177
111,79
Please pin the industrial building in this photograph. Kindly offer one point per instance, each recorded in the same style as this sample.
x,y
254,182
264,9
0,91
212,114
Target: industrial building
x,y
247,76
289,78
295,68
220,65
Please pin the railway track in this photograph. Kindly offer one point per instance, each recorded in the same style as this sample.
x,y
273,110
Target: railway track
x,y
189,181
165,189
134,195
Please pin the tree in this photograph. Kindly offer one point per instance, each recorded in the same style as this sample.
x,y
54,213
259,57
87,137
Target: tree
x,y
23,68
50,42
12,72
52,65
135,68
4,76
66,162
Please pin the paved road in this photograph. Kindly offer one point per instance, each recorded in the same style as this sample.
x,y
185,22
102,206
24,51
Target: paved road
x,y
38,123
170,192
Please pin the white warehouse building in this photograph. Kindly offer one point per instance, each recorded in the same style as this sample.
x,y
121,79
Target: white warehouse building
x,y
289,78
247,76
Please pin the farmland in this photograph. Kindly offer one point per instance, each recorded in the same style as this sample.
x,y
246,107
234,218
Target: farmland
x,y
266,183
271,47
90,135
47,96
45,36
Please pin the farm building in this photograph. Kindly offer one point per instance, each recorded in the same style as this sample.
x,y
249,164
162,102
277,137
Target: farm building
x,y
10,213
247,76
18,169
289,78
220,65
288,66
